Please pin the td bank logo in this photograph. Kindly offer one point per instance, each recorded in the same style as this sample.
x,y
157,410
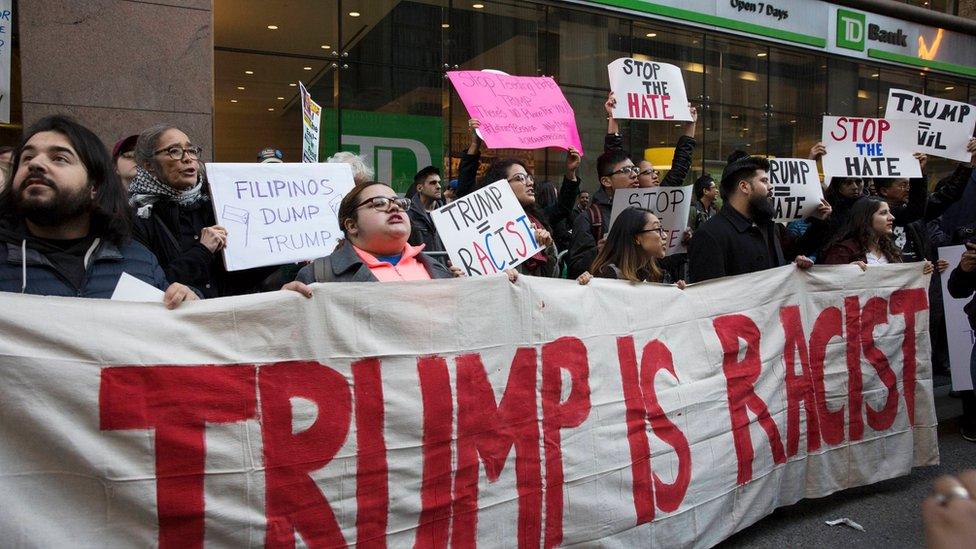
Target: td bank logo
x,y
850,30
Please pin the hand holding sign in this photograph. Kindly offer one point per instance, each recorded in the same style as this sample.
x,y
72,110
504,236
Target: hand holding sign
x,y
648,90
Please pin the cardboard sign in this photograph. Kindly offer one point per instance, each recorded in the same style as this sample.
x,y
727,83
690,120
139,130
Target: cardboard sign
x,y
958,332
944,126
463,412
796,188
487,231
672,205
6,45
311,122
517,112
870,147
278,213
648,90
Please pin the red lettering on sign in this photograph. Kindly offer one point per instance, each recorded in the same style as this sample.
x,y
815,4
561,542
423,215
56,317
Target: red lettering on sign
x,y
435,488
909,303
855,398
799,387
292,499
829,324
640,450
740,377
177,402
372,492
875,313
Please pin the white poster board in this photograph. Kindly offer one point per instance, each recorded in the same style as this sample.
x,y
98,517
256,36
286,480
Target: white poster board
x,y
278,213
796,188
6,35
958,332
311,122
944,126
486,231
870,147
648,90
672,205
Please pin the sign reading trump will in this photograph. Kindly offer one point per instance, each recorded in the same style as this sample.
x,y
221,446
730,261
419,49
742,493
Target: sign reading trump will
x,y
487,231
672,205
870,147
648,90
517,112
944,126
796,188
277,213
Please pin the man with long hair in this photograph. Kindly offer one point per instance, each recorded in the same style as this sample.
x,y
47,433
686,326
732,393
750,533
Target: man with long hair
x,y
65,223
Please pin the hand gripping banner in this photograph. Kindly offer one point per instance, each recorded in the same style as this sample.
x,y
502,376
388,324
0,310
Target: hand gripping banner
x,y
459,412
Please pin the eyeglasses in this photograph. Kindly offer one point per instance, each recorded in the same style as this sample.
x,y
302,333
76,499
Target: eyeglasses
x,y
176,152
521,178
128,155
385,203
648,172
632,170
660,230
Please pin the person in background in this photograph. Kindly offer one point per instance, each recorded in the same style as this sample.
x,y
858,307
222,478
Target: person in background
x,y
705,193
867,239
65,224
123,154
582,203
375,227
633,248
450,192
270,155
361,171
426,198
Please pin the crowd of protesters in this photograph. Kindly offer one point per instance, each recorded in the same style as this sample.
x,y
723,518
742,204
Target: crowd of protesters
x,y
74,216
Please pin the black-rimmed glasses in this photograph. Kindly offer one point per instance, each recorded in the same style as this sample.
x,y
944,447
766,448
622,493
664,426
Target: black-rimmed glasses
x,y
385,203
176,152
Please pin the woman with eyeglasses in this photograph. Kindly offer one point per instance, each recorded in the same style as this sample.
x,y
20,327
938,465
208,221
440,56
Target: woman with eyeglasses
x,y
375,227
174,217
633,248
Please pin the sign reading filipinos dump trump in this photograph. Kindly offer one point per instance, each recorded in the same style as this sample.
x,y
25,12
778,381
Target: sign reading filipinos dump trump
x,y
487,231
944,126
796,188
870,147
459,412
648,90
277,213
671,205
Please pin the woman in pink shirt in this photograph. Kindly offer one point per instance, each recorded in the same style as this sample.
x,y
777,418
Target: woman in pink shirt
x,y
376,227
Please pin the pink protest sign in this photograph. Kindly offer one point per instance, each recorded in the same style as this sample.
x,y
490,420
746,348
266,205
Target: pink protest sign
x,y
518,112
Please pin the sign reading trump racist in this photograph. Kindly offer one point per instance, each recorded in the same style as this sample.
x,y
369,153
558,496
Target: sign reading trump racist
x,y
277,213
517,112
461,412
648,90
487,231
944,126
672,205
796,188
870,147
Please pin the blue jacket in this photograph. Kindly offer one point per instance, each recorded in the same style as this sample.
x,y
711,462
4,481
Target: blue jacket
x,y
104,265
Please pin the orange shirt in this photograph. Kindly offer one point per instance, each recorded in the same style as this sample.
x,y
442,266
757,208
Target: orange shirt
x,y
408,268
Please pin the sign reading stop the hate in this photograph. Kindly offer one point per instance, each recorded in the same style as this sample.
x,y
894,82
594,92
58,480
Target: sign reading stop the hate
x,y
648,90
870,147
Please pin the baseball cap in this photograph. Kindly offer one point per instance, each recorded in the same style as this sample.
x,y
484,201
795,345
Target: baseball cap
x,y
269,155
125,144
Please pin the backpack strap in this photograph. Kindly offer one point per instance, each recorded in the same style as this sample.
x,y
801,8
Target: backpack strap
x,y
596,222
322,268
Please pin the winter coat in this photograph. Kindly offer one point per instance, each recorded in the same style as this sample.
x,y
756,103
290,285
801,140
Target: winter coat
x,y
730,244
422,229
345,265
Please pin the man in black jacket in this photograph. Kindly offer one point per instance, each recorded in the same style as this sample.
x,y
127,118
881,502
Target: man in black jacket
x,y
426,197
742,237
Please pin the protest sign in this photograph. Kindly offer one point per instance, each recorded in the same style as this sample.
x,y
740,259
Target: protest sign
x,y
459,412
277,213
6,34
796,188
648,90
487,231
517,112
870,147
672,205
944,126
311,122
958,332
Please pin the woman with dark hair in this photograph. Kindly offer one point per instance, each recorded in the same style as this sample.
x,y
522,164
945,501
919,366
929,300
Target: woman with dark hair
x,y
705,192
375,227
867,238
633,248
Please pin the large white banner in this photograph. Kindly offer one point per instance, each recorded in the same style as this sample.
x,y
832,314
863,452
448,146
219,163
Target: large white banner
x,y
672,205
796,188
959,334
278,213
648,90
870,147
944,126
471,411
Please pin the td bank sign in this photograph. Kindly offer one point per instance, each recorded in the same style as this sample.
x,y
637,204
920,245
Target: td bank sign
x,y
853,32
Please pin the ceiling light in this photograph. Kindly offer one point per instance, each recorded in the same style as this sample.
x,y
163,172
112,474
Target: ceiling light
x,y
326,47
735,117
307,68
354,14
445,25
949,88
280,98
651,34
270,109
273,27
478,6
248,72
745,129
233,101
293,84
677,125
792,121
761,54
875,75
240,88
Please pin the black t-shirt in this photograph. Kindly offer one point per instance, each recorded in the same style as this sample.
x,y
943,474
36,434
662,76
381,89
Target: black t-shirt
x,y
67,256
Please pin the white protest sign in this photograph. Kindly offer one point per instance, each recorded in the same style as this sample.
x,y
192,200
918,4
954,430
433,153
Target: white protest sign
x,y
131,288
796,188
870,147
486,231
672,205
648,90
311,119
944,126
278,213
958,332
6,24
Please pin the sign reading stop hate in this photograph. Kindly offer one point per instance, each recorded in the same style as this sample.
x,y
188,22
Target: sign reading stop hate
x,y
870,147
648,90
